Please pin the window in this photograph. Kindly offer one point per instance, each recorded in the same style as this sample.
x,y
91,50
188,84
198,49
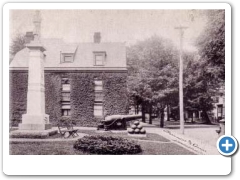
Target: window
x,y
98,85
65,87
99,58
66,112
220,111
68,58
66,107
216,99
98,96
98,110
67,53
65,96
98,102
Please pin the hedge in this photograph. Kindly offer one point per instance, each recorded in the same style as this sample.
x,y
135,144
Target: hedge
x,y
107,145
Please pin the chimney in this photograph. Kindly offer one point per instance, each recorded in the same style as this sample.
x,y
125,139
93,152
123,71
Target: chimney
x,y
29,37
97,37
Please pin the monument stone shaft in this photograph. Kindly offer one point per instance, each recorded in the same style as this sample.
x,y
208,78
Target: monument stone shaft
x,y
35,118
35,123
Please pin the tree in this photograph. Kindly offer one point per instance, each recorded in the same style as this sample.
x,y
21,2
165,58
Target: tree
x,y
206,74
211,44
153,74
197,93
17,44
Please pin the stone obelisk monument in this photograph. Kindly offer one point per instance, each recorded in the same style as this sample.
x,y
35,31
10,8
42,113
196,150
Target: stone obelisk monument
x,y
35,120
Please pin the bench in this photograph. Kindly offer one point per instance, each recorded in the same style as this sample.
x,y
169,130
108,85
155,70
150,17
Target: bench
x,y
67,130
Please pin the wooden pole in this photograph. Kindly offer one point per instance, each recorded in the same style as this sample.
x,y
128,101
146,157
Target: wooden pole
x,y
181,29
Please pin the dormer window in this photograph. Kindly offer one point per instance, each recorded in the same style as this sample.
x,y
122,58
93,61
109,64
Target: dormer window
x,y
67,58
68,53
99,58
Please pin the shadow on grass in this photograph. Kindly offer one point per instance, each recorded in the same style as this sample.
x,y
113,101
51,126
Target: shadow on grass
x,y
153,144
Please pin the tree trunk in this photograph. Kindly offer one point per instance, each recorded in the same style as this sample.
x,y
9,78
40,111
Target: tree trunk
x,y
205,117
168,118
143,113
192,116
137,108
162,117
150,114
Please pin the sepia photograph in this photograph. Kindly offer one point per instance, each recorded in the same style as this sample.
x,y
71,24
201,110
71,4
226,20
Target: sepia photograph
x,y
116,81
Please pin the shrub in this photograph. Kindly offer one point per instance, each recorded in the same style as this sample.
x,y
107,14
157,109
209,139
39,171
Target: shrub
x,y
107,145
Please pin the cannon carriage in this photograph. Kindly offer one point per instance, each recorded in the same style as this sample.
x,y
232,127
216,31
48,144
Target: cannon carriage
x,y
116,122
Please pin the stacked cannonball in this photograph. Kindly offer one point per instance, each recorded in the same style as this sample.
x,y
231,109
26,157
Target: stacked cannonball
x,y
136,128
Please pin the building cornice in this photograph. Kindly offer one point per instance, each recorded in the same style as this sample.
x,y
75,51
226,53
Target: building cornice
x,y
74,69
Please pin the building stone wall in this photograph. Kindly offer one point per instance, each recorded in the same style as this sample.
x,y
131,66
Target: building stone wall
x,y
82,95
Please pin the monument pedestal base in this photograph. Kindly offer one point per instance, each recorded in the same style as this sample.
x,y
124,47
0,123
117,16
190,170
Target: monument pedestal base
x,y
35,122
34,126
33,134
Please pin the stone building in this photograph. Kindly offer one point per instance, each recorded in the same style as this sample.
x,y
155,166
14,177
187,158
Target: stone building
x,y
83,82
219,104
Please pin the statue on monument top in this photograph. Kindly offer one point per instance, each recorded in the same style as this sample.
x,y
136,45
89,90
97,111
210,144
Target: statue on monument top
x,y
37,25
36,43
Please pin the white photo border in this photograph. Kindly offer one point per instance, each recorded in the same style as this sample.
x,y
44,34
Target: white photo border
x,y
114,165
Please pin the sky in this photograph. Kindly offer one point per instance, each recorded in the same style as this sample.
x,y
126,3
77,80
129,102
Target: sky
x,y
127,26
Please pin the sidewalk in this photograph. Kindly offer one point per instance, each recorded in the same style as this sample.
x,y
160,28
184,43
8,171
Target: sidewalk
x,y
200,138
186,141
206,133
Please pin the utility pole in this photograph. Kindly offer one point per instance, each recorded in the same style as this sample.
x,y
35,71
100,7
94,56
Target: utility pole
x,y
181,29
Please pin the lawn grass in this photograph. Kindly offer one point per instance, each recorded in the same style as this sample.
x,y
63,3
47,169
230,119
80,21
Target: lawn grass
x,y
43,148
66,148
151,148
153,144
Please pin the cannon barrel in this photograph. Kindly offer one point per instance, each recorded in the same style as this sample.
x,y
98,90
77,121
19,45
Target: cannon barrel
x,y
119,117
118,121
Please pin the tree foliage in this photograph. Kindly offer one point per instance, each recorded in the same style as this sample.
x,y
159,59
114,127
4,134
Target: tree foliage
x,y
211,44
153,69
153,72
17,44
197,92
205,73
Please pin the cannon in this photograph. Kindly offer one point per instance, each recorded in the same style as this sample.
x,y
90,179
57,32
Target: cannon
x,y
116,122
